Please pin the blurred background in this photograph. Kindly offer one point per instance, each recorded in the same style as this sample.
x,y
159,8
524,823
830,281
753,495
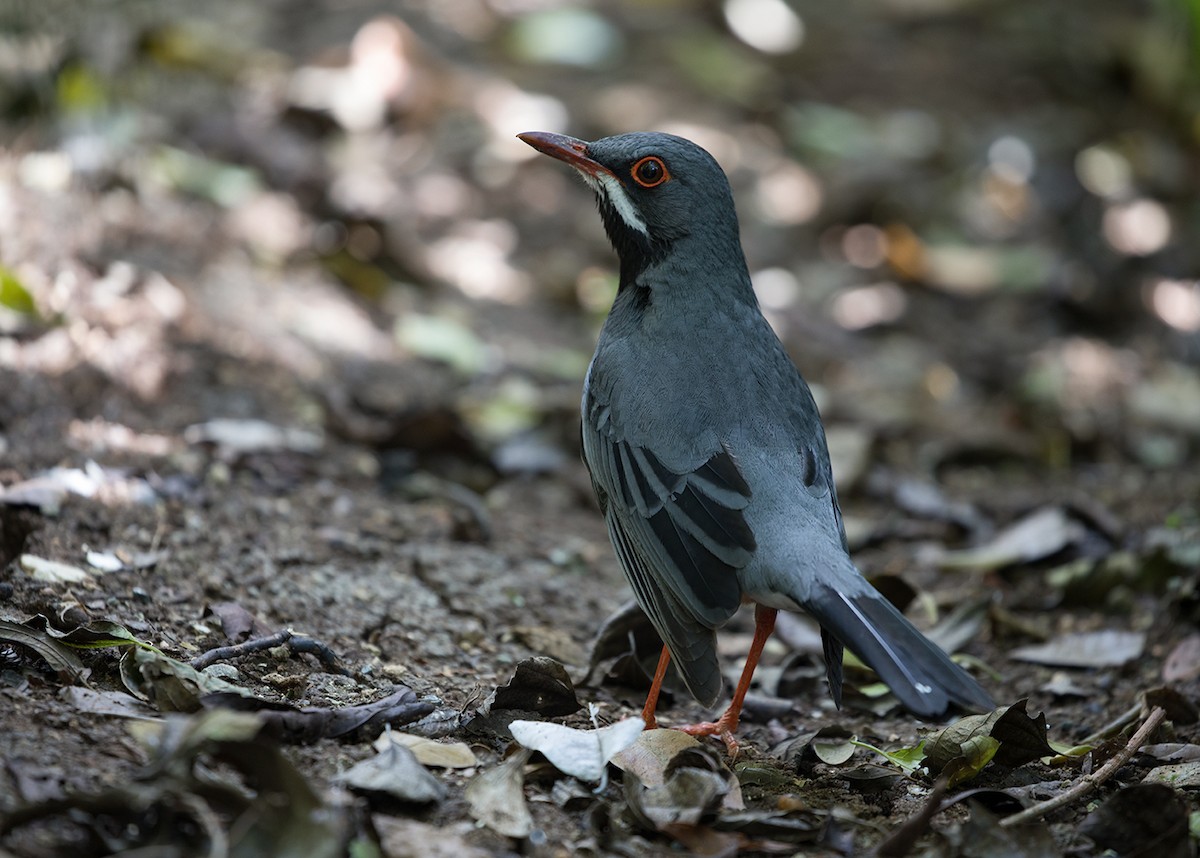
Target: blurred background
x,y
964,217
971,215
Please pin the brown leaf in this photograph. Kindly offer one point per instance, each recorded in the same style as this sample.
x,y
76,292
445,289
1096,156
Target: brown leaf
x,y
540,685
1183,663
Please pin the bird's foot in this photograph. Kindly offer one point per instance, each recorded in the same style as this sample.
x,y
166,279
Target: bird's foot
x,y
720,728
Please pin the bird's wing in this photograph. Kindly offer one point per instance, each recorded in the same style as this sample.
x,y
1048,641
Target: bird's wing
x,y
680,535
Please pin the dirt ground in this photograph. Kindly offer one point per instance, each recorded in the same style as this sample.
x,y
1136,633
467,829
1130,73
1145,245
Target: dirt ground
x,y
291,338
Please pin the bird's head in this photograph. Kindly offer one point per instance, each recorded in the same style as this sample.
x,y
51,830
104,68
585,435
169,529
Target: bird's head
x,y
657,193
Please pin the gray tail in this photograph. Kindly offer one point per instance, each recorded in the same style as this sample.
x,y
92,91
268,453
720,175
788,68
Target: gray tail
x,y
919,673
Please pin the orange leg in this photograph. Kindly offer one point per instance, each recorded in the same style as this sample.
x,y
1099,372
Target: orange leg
x,y
764,624
655,688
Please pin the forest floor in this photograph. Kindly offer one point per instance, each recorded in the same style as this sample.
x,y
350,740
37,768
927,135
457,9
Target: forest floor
x,y
269,366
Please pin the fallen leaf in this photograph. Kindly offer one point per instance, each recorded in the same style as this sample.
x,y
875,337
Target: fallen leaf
x,y
1038,535
687,797
442,755
104,561
833,745
410,838
395,772
237,622
1179,775
115,703
1183,662
650,754
1172,752
541,685
53,572
870,778
1021,739
908,759
497,797
1062,685
61,658
236,437
580,753
1085,649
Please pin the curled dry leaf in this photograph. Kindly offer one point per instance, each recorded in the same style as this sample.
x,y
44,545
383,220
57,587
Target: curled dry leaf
x,y
1183,663
1038,535
1085,649
651,752
497,797
1179,775
61,658
1021,739
395,772
541,685
53,572
443,755
580,753
688,797
236,437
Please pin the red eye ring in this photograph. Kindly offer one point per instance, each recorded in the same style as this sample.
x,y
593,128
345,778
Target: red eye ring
x,y
650,172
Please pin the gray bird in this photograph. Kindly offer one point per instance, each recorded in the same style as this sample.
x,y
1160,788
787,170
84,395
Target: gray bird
x,y
705,448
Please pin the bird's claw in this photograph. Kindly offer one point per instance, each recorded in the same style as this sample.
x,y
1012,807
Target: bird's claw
x,y
709,728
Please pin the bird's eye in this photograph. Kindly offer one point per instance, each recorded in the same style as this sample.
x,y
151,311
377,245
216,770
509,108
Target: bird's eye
x,y
650,172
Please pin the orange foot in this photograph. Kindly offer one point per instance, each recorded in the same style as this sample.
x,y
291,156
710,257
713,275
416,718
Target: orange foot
x,y
721,729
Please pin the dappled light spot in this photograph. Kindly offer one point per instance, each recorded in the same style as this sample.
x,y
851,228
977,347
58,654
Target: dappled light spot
x,y
566,36
365,185
868,306
1137,228
1081,372
1104,171
442,195
777,288
1176,302
273,225
101,436
770,26
864,245
942,382
722,144
787,195
48,171
628,105
1012,159
475,259
381,72
509,111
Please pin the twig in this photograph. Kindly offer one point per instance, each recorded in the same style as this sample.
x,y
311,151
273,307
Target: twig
x,y
296,643
222,653
1089,782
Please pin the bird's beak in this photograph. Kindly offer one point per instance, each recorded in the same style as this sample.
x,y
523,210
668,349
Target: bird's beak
x,y
566,149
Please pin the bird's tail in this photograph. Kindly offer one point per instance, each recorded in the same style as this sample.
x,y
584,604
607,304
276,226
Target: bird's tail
x,y
919,673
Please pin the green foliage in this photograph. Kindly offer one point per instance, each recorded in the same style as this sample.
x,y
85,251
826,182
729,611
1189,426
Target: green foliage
x,y
14,295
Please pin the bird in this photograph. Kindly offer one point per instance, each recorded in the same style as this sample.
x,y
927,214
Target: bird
x,y
705,448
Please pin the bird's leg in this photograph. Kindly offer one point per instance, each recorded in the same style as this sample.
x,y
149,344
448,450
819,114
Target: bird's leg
x,y
764,624
655,688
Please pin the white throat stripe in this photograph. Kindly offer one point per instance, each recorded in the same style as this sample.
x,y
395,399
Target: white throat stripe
x,y
607,185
